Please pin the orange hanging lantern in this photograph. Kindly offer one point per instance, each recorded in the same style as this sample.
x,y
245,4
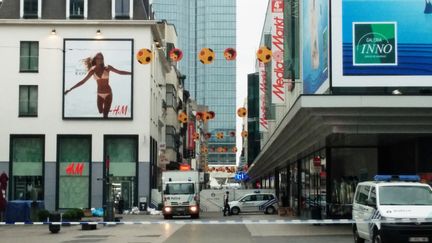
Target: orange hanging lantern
x,y
206,56
244,134
195,136
207,135
220,149
219,135
264,54
206,117
241,112
211,114
175,54
204,149
182,117
234,149
199,116
230,54
144,56
232,134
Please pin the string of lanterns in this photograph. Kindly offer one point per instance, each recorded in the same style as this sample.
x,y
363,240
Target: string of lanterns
x,y
205,56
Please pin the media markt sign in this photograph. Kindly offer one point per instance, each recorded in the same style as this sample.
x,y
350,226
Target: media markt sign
x,y
374,43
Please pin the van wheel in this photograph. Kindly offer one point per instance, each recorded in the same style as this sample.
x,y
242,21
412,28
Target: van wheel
x,y
235,211
357,238
376,237
270,210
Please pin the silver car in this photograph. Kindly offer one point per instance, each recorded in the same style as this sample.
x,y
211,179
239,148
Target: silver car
x,y
255,202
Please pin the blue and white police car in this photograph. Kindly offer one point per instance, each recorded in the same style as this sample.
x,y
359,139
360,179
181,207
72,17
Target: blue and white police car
x,y
255,202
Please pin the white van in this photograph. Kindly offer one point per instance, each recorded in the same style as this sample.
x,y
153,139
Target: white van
x,y
393,209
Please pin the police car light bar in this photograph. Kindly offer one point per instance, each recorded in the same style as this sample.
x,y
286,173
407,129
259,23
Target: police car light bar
x,y
412,178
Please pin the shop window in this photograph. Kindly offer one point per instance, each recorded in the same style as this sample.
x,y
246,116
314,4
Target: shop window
x,y
27,159
76,9
170,137
74,162
29,56
30,9
171,96
123,155
28,100
122,9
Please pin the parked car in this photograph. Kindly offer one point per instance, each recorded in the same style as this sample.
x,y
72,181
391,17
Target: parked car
x,y
255,202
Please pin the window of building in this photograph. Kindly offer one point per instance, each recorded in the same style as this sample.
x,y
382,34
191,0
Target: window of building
x,y
27,159
29,56
122,9
30,9
76,9
170,132
28,100
171,96
73,166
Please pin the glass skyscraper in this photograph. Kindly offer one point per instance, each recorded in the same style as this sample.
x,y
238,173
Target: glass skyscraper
x,y
212,24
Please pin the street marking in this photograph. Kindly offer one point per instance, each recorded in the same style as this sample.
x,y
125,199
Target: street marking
x,y
239,221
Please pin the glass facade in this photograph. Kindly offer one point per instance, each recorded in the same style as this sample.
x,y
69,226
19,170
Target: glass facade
x,y
212,24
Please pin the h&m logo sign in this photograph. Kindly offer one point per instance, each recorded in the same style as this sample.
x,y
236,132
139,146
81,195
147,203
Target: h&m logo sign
x,y
374,43
75,169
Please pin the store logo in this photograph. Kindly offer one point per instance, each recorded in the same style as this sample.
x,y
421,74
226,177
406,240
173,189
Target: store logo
x,y
374,44
75,169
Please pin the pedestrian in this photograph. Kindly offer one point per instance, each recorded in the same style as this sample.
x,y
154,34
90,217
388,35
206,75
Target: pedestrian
x,y
226,209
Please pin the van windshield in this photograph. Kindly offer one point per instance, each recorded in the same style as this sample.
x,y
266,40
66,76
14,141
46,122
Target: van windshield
x,y
405,195
179,188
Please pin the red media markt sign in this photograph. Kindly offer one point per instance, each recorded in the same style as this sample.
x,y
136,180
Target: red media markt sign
x,y
277,6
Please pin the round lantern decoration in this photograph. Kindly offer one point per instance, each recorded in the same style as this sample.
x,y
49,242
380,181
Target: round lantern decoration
x,y
220,149
230,54
199,116
232,134
206,117
234,149
206,56
219,135
175,54
182,117
207,135
144,56
212,114
241,112
244,134
264,54
204,149
195,136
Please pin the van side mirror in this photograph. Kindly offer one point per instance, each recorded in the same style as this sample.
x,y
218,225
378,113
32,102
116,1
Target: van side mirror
x,y
370,202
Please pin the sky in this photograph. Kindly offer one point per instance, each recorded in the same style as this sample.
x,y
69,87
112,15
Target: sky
x,y
250,20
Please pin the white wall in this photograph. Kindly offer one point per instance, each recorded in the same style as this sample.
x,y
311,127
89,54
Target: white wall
x,y
50,85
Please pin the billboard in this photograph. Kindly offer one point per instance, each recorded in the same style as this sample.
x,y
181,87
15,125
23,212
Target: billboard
x,y
97,79
381,43
315,36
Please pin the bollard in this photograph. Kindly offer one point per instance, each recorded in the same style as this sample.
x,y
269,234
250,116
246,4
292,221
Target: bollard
x,y
54,217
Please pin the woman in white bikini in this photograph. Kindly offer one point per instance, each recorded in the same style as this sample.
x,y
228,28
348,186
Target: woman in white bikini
x,y
96,68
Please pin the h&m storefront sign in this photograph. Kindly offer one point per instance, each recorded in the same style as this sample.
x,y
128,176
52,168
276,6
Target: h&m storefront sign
x,y
374,43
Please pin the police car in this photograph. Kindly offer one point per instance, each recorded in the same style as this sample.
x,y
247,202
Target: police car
x,y
255,202
393,209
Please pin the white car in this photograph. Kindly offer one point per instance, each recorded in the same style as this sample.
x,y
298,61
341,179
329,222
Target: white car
x,y
255,202
393,209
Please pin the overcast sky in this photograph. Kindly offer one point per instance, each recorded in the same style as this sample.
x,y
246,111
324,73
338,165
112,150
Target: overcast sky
x,y
250,19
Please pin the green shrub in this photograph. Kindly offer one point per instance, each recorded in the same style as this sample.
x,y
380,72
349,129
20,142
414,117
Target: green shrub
x,y
43,214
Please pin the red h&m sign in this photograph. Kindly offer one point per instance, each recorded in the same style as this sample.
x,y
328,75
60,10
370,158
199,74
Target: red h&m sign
x,y
75,169
191,130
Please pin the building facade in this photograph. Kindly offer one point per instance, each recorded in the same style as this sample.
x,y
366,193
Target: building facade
x,y
211,24
72,127
346,114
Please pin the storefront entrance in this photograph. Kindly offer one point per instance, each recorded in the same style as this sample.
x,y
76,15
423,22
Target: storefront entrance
x,y
123,189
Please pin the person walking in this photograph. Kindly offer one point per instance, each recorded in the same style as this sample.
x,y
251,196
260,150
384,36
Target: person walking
x,y
226,209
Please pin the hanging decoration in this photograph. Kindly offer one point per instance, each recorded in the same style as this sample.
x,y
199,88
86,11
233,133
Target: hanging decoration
x,y
182,117
144,56
206,117
195,136
176,54
264,54
199,116
212,114
219,135
241,112
230,54
244,134
207,135
232,134
220,149
206,55
234,149
204,150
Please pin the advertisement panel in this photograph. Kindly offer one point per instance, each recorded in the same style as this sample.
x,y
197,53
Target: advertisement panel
x,y
263,123
315,44
277,46
381,43
97,79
